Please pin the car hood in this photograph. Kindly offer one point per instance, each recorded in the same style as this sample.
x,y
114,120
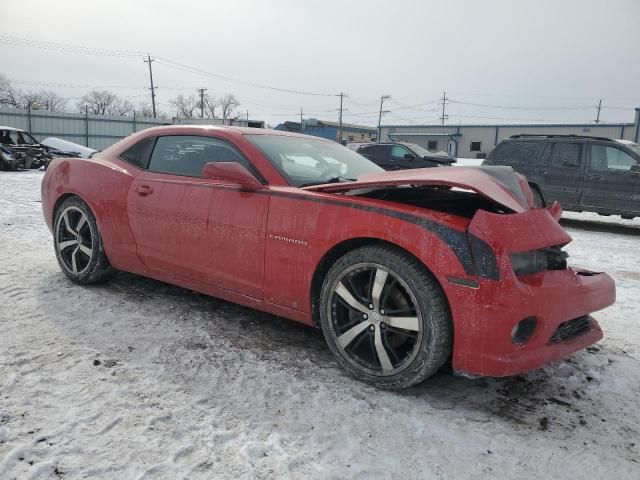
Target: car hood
x,y
500,184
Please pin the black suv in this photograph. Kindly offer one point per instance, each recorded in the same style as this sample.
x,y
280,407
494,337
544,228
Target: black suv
x,y
403,156
593,174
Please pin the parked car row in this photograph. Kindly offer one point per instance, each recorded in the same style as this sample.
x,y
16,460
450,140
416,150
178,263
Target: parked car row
x,y
582,173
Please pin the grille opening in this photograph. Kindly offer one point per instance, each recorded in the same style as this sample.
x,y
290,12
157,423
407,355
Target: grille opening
x,y
571,328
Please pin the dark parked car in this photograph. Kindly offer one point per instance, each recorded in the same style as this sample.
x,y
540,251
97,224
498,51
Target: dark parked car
x,y
593,174
402,156
18,150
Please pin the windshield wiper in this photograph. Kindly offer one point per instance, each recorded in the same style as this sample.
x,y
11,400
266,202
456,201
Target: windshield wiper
x,y
331,180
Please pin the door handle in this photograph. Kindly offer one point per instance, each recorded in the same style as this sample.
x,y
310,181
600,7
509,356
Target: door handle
x,y
143,190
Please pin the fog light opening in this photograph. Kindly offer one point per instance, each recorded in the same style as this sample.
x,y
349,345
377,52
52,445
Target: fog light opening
x,y
523,331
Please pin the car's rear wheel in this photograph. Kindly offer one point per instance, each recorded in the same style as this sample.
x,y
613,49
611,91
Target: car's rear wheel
x,y
385,317
78,244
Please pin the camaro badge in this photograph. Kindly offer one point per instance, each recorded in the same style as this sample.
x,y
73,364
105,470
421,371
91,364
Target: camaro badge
x,y
287,239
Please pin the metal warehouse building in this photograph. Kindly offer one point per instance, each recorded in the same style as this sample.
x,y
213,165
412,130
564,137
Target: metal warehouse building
x,y
329,130
475,141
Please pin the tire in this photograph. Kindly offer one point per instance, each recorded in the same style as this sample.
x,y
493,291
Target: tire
x,y
538,199
378,301
78,245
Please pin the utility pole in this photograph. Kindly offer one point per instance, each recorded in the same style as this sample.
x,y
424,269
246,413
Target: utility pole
x,y
301,122
444,102
382,99
247,118
599,107
153,89
202,90
340,122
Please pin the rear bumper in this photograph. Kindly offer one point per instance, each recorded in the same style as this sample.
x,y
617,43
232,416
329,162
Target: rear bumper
x,y
483,344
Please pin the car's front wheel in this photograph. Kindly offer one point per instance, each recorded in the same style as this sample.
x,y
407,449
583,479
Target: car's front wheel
x,y
78,244
385,317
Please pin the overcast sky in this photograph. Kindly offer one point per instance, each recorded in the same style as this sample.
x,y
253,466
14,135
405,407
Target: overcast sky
x,y
551,55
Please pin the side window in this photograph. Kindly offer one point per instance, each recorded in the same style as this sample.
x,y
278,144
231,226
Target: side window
x,y
139,154
398,151
609,158
515,152
545,154
187,155
566,155
15,138
26,139
376,152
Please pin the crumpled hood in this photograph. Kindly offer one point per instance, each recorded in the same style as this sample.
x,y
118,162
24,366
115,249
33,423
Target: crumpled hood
x,y
497,183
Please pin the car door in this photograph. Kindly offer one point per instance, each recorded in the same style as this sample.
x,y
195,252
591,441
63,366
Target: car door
x,y
563,176
609,184
198,228
378,154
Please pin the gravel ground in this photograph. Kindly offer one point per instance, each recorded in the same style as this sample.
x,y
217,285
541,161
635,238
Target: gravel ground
x,y
139,379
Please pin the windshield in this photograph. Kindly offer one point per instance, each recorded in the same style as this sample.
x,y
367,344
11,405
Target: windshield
x,y
306,161
16,137
421,151
634,146
418,149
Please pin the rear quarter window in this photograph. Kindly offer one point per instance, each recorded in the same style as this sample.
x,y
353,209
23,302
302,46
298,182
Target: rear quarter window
x,y
139,154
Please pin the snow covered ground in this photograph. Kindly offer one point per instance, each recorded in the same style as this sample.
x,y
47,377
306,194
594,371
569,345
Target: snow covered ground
x,y
139,379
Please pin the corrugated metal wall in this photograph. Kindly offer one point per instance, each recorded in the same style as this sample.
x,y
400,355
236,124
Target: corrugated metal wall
x,y
94,131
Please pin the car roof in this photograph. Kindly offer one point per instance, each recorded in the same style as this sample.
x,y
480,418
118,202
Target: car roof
x,y
168,129
12,128
551,136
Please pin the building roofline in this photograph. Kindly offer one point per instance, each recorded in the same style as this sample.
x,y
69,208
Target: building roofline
x,y
499,125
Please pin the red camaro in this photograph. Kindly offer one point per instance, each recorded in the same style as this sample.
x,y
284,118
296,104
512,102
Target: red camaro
x,y
401,270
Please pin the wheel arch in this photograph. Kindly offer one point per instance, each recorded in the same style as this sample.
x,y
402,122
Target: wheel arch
x,y
339,249
535,187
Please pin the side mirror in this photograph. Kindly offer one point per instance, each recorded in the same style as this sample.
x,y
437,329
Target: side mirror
x,y
233,173
635,169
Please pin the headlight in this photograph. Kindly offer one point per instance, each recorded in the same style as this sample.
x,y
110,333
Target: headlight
x,y
534,261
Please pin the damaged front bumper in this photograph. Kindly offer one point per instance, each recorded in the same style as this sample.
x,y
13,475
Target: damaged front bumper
x,y
513,324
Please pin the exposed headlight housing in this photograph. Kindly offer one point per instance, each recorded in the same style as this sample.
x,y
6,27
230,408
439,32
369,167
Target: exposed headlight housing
x,y
534,261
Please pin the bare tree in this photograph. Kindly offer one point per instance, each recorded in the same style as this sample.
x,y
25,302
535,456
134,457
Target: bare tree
x,y
186,106
228,105
97,102
210,106
51,101
9,95
42,100
144,109
121,107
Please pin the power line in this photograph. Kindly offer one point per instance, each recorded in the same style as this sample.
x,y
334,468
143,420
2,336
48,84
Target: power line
x,y
16,41
25,42
520,107
181,66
